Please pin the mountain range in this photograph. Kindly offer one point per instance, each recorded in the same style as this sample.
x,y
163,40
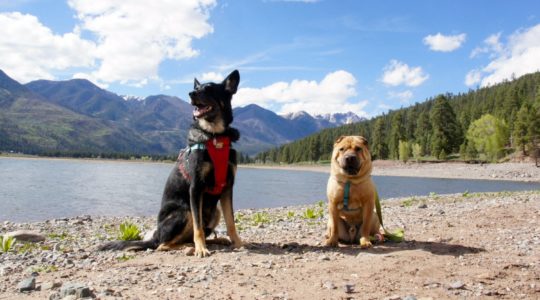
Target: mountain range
x,y
76,116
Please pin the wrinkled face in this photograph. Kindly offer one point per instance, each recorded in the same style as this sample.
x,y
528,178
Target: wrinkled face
x,y
212,101
351,153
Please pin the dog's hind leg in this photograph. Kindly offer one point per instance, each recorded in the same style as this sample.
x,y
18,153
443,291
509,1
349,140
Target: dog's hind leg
x,y
228,215
175,241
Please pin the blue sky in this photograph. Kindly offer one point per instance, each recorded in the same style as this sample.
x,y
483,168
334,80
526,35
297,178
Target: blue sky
x,y
318,56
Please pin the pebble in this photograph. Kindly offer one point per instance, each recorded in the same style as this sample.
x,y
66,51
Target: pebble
x,y
329,285
348,288
456,285
27,285
76,289
423,205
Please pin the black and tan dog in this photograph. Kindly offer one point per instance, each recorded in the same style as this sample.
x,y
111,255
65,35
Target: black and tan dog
x,y
202,176
351,194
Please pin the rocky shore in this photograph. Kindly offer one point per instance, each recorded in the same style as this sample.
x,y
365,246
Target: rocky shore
x,y
526,171
457,246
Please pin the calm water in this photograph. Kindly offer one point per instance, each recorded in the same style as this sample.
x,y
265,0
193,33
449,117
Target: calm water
x,y
40,189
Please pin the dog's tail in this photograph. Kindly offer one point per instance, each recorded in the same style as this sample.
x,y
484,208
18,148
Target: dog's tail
x,y
129,245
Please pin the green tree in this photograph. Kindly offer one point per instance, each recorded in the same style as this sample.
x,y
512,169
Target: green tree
x,y
404,150
446,136
489,136
379,148
520,134
397,133
416,151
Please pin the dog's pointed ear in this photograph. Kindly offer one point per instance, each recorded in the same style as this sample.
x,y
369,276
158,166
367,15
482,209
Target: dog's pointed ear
x,y
232,81
196,84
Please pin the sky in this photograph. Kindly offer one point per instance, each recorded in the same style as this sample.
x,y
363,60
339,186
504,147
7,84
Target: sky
x,y
318,56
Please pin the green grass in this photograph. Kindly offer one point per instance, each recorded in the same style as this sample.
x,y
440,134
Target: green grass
x,y
60,236
313,213
129,232
260,218
125,257
44,269
7,243
408,202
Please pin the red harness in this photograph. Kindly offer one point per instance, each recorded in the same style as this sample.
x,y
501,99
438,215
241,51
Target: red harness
x,y
218,148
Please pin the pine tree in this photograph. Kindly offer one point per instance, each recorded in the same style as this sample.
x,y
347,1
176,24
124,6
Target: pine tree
x,y
397,133
446,132
379,149
520,134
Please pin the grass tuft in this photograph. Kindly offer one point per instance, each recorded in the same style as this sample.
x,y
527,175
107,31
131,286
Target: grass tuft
x,y
129,232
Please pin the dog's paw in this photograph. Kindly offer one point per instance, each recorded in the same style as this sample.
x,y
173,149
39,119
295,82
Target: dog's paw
x,y
235,244
365,243
201,252
331,243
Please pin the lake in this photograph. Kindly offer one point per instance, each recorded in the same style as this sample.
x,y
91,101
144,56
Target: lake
x,y
41,189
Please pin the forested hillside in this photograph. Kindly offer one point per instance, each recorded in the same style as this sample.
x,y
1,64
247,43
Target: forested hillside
x,y
486,123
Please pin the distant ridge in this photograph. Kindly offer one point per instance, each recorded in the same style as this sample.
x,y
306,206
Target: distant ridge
x,y
77,116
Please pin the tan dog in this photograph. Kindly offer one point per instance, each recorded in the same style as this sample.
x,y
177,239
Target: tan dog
x,y
356,220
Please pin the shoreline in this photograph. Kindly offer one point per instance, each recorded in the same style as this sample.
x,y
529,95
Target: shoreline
x,y
524,172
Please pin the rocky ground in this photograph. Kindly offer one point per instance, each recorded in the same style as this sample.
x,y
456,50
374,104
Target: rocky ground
x,y
457,246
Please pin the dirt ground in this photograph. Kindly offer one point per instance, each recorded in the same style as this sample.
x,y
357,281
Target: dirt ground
x,y
457,246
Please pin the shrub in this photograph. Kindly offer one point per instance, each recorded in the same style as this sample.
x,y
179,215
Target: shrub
x,y
7,243
129,232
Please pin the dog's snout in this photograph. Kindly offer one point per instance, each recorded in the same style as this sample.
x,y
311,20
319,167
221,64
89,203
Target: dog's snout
x,y
351,159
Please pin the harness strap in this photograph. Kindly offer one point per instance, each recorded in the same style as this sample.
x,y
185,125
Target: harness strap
x,y
218,149
346,193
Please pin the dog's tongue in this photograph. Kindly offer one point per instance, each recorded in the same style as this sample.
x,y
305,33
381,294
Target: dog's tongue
x,y
199,111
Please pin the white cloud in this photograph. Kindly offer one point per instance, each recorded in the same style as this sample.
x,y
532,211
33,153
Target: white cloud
x,y
403,97
211,76
492,44
520,55
473,77
397,73
131,39
331,94
444,43
136,36
29,50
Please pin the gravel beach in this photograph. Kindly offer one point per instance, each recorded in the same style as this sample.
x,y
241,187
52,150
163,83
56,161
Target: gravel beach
x,y
456,246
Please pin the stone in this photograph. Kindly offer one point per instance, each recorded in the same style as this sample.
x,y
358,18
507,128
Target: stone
x,y
456,285
329,285
348,288
423,205
26,236
27,285
74,288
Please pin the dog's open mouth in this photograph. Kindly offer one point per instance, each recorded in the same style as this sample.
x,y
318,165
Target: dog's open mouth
x,y
201,110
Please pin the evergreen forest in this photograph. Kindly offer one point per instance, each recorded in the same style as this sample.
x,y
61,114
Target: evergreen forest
x,y
486,124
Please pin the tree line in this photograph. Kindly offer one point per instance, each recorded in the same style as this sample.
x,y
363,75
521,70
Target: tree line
x,y
483,124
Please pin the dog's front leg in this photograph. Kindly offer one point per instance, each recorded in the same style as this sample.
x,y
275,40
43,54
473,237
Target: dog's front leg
x,y
228,215
333,234
196,199
367,219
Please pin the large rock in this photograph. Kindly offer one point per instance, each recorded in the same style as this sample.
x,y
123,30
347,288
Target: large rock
x,y
26,236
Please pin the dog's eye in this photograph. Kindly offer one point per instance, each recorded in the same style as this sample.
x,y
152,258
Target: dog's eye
x,y
357,149
341,149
